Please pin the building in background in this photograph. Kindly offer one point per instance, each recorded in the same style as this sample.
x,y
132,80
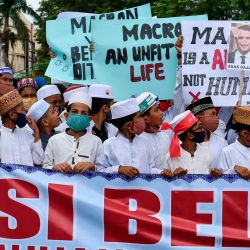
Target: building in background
x,y
22,55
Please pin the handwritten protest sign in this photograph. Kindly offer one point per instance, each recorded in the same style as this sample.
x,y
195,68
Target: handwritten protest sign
x,y
42,209
134,56
70,40
204,61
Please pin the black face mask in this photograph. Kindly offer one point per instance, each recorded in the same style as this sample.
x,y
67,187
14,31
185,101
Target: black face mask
x,y
199,136
108,116
21,120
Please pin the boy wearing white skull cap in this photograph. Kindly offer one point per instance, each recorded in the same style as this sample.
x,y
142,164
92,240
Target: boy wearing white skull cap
x,y
128,153
75,149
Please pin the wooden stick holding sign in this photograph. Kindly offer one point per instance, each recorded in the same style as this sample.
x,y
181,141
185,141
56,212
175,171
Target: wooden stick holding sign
x,y
241,87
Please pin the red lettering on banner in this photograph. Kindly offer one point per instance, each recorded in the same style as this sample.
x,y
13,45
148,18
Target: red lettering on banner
x,y
31,248
2,247
61,212
184,218
15,247
146,71
235,219
27,220
159,71
117,215
218,60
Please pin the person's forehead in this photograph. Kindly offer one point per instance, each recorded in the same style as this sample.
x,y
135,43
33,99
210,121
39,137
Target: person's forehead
x,y
244,33
7,76
28,89
53,97
79,106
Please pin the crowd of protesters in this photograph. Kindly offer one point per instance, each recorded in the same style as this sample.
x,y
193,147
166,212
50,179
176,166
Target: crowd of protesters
x,y
84,128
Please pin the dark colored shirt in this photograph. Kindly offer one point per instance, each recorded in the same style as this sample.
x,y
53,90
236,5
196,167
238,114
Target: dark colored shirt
x,y
102,134
45,138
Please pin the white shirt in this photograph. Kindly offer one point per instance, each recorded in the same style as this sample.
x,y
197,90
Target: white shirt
x,y
234,154
216,145
18,147
65,148
178,106
198,164
120,151
160,142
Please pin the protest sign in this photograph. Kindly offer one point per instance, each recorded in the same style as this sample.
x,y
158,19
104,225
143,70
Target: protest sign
x,y
135,56
204,61
42,209
70,38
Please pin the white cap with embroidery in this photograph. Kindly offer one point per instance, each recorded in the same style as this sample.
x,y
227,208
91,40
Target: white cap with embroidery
x,y
101,91
146,100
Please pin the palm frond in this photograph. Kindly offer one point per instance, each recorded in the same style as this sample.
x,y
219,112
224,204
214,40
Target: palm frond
x,y
20,26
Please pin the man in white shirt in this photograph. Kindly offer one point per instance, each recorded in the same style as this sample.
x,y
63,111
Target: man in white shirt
x,y
17,144
102,99
205,112
236,156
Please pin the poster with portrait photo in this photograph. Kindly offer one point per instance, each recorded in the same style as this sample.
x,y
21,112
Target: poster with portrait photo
x,y
239,46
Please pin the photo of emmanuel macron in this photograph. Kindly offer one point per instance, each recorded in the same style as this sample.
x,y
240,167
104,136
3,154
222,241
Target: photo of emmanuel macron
x,y
241,55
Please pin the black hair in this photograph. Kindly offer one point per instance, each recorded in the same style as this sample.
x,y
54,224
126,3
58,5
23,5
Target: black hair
x,y
97,104
120,122
238,127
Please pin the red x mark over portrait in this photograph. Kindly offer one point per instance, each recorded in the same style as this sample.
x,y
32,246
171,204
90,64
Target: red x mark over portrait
x,y
195,96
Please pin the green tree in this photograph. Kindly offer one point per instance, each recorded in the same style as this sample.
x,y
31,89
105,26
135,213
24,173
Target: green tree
x,y
10,11
216,10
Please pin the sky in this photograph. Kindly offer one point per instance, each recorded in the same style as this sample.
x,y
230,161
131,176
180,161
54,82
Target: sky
x,y
34,4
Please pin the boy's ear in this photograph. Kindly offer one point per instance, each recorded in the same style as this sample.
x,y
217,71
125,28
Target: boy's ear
x,y
105,108
146,119
44,122
66,115
130,126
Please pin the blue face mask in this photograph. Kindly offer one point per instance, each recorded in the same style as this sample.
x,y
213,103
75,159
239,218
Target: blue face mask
x,y
21,120
77,122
